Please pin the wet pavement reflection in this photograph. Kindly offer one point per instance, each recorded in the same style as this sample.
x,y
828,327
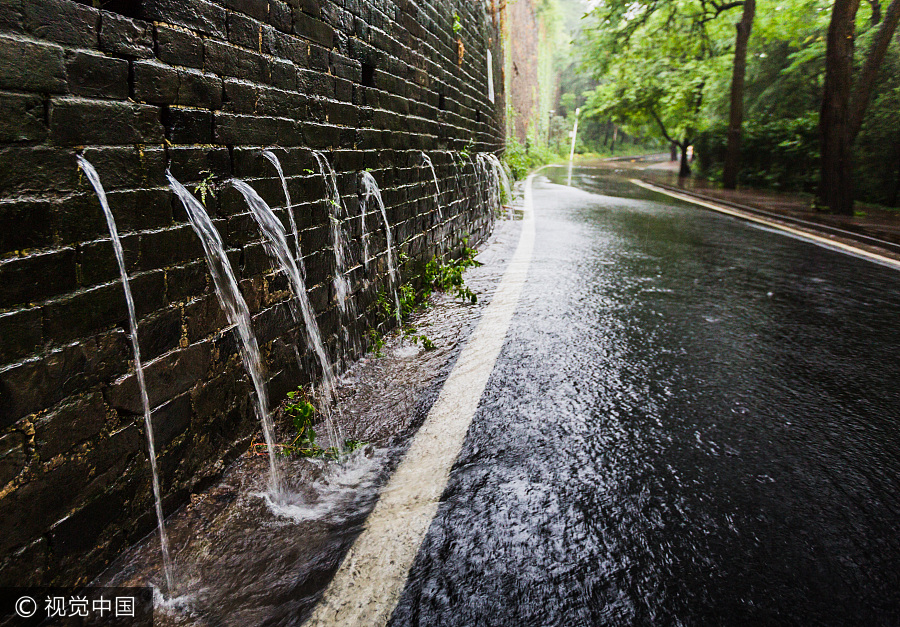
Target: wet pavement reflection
x,y
693,421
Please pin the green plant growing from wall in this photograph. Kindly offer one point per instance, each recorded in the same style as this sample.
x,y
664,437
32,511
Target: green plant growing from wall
x,y
436,275
465,154
204,187
302,413
457,23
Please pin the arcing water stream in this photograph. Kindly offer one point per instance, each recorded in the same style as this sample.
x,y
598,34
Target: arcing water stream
x,y
236,310
277,246
437,188
336,215
94,178
268,154
298,497
371,189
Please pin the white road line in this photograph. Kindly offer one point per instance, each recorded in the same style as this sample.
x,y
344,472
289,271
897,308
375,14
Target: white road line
x,y
368,584
805,235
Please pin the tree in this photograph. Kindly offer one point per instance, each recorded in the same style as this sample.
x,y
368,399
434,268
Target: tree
x,y
841,119
736,115
667,54
695,45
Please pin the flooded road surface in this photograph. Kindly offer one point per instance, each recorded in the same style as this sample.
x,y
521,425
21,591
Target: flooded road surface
x,y
692,421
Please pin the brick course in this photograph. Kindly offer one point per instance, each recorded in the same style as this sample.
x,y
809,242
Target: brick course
x,y
199,87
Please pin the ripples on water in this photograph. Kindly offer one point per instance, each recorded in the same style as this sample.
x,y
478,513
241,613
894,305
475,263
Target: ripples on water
x,y
693,422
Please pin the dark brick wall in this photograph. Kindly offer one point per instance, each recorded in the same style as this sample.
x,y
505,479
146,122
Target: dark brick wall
x,y
197,86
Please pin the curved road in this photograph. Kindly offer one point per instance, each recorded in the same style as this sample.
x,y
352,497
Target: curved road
x,y
692,421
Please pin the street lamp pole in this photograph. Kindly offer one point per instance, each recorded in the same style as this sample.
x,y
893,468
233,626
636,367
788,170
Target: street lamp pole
x,y
574,134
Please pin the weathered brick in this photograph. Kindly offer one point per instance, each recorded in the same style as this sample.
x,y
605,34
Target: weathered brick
x,y
24,224
155,83
27,566
189,164
233,129
62,22
188,126
20,334
80,531
203,317
93,310
170,420
344,114
42,382
96,75
290,48
159,333
187,281
37,277
77,217
77,121
248,32
166,378
321,135
27,512
12,16
227,60
97,263
69,425
319,58
199,89
23,118
315,83
30,66
315,30
123,37
12,456
141,208
311,7
255,8
127,166
169,247
199,15
283,75
179,47
280,16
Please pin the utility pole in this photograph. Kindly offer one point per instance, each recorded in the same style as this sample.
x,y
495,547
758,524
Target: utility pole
x,y
574,134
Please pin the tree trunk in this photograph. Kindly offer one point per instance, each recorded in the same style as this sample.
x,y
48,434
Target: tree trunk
x,y
862,92
685,169
736,117
836,185
896,202
673,152
615,136
876,12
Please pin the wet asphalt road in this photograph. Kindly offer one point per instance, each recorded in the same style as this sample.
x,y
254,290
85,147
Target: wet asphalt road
x,y
692,422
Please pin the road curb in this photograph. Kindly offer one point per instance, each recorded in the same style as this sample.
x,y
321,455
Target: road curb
x,y
811,231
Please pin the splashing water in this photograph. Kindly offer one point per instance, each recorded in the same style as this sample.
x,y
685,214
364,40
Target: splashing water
x,y
273,159
372,191
502,178
276,245
235,309
94,178
437,188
